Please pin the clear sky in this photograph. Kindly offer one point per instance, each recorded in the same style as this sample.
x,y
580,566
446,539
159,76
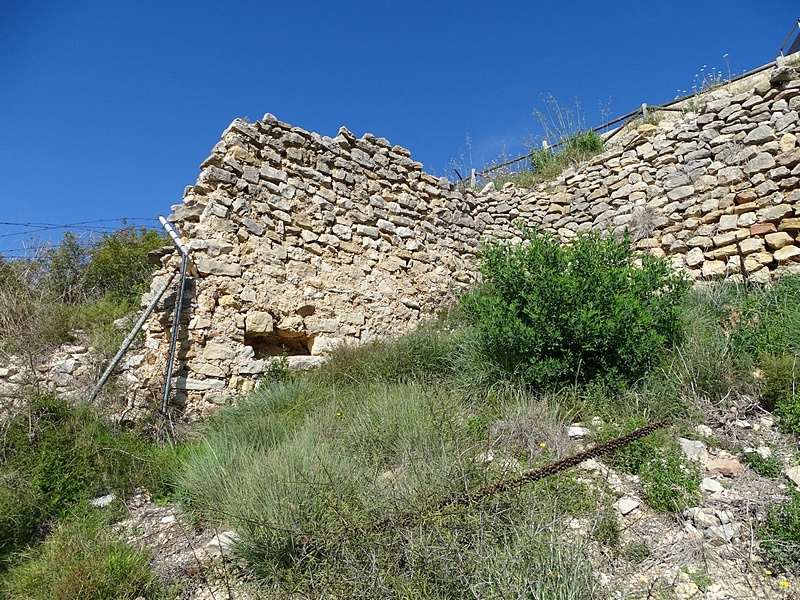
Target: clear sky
x,y
107,108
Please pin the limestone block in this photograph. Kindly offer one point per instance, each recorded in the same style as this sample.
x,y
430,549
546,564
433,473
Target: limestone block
x,y
791,225
209,370
291,326
787,254
189,383
713,269
323,345
250,366
788,142
763,161
215,174
218,351
679,193
271,174
763,228
259,322
700,241
694,257
760,135
206,266
778,240
728,467
750,245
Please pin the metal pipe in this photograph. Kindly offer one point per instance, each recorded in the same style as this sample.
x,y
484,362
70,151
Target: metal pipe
x,y
131,336
174,337
174,236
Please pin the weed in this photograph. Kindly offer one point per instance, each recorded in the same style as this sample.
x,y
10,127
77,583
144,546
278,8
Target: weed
x,y
606,529
277,372
700,579
632,458
670,481
779,534
766,466
636,551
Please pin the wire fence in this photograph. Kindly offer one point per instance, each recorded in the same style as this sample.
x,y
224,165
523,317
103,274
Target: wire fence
x,y
19,240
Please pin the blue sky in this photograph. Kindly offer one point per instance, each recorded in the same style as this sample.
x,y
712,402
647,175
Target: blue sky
x,y
107,109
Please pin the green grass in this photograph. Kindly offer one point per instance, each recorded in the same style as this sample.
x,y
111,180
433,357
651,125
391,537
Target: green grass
x,y
547,164
54,457
81,560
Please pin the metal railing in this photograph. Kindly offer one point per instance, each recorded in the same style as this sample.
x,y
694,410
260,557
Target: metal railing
x,y
620,122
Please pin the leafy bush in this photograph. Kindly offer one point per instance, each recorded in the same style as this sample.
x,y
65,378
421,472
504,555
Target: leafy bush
x,y
119,265
766,466
65,268
556,315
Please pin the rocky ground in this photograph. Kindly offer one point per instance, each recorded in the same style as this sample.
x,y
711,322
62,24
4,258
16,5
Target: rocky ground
x,y
709,551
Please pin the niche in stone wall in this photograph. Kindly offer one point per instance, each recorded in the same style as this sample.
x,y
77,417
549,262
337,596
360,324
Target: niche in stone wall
x,y
267,339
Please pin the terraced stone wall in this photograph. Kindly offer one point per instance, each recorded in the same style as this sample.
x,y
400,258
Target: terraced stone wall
x,y
302,242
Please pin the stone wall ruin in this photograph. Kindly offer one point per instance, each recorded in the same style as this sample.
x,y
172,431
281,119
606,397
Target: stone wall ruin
x,y
302,242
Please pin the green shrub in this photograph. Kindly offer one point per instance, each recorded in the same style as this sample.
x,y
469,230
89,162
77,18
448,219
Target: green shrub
x,y
65,269
670,481
768,466
779,535
81,560
119,265
556,315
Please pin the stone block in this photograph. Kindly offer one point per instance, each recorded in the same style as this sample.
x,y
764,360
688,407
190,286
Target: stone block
x,y
763,228
787,254
778,240
207,266
259,322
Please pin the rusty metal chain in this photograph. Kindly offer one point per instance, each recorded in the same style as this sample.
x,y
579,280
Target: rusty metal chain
x,y
470,497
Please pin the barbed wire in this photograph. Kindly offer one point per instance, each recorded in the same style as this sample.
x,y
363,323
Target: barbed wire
x,y
31,229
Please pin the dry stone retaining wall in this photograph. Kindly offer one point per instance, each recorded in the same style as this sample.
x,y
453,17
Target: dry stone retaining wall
x,y
302,242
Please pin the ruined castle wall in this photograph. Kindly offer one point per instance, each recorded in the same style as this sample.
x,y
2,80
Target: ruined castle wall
x,y
302,242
